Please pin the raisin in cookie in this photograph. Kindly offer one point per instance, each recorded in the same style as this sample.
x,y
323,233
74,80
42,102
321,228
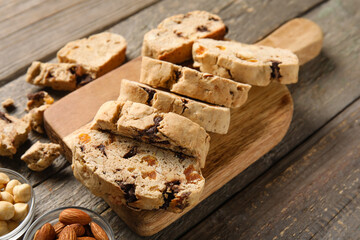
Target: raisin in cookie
x,y
59,76
212,118
136,174
252,64
172,40
147,124
41,155
13,133
191,83
98,54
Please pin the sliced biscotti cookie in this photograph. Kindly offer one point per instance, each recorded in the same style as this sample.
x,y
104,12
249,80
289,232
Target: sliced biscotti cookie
x,y
99,54
172,40
59,76
212,118
252,64
145,123
191,83
13,133
136,174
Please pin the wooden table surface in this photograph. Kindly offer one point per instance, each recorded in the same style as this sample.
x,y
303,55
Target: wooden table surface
x,y
306,187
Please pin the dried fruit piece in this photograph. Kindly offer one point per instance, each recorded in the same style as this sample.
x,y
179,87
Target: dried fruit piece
x,y
72,215
84,138
98,232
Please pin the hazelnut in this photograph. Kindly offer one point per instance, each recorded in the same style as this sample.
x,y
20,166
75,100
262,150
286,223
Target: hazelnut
x,y
7,210
22,193
12,225
4,179
5,196
3,228
21,210
10,185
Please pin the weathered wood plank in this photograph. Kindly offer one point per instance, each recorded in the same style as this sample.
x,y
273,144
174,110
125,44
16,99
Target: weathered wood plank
x,y
308,194
41,31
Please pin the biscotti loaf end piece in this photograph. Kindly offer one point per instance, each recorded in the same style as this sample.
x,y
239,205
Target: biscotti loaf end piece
x,y
59,76
99,54
212,118
172,40
252,64
138,175
191,83
145,123
13,133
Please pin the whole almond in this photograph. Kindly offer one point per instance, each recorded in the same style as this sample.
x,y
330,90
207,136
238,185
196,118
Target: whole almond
x,y
67,233
98,232
86,238
59,226
78,228
46,232
72,215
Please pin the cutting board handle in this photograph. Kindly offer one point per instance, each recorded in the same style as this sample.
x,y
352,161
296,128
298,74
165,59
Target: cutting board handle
x,y
302,36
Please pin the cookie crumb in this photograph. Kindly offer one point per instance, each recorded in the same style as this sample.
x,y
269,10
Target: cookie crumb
x,y
8,103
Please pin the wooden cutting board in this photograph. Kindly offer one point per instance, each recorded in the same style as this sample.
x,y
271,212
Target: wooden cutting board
x,y
255,128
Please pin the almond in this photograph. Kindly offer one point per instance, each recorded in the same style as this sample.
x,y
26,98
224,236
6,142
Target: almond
x,y
98,232
46,232
86,238
59,226
72,215
68,233
79,229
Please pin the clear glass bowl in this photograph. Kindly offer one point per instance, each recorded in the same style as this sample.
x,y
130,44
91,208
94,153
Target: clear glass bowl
x,y
52,217
25,224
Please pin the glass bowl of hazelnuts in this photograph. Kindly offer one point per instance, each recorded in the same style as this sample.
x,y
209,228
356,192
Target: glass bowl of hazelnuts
x,y
17,204
70,223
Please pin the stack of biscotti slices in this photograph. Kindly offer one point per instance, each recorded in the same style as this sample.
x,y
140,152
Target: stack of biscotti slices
x,y
146,149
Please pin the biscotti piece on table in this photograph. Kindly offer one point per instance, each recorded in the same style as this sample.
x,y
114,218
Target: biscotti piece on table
x,y
98,54
41,155
145,123
139,175
172,40
252,64
191,83
59,76
8,103
38,99
212,118
13,133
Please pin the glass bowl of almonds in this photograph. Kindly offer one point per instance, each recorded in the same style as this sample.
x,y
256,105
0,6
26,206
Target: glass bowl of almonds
x,y
70,223
17,204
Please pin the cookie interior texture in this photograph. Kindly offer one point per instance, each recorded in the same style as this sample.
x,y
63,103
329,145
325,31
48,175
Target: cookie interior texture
x,y
136,174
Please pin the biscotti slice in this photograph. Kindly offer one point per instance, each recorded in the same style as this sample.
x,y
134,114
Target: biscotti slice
x,y
212,118
191,83
172,40
136,174
59,76
41,155
99,54
13,133
252,64
166,130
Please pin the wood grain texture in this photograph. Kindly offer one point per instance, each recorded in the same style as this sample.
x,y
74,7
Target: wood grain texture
x,y
45,27
312,193
324,88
